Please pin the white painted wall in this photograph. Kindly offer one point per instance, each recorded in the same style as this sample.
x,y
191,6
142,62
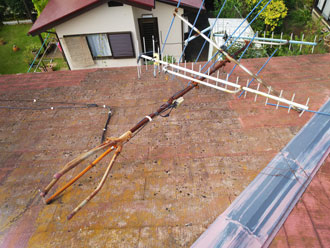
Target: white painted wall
x,y
164,14
102,19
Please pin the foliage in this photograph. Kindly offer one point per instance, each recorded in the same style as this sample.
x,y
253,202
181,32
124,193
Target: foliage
x,y
30,52
286,16
300,17
59,64
274,14
14,9
232,8
254,51
169,59
2,11
39,5
271,18
13,62
294,4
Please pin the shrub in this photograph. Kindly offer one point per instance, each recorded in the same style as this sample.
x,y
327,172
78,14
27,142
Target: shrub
x,y
30,53
168,59
39,5
300,17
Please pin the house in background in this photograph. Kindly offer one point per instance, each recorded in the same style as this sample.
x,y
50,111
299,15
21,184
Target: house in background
x,y
98,33
322,8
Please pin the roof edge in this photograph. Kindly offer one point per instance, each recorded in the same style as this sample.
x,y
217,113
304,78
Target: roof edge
x,y
182,5
43,28
65,18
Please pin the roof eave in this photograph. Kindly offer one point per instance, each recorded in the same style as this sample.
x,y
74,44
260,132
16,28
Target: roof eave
x,y
184,6
65,18
38,30
146,6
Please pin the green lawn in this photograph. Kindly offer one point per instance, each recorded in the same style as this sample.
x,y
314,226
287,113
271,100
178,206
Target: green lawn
x,y
15,62
10,61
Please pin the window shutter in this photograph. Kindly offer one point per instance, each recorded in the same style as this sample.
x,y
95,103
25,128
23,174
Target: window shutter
x,y
121,45
79,51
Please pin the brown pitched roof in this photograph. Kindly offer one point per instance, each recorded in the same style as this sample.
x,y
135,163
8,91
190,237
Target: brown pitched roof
x,y
59,11
173,179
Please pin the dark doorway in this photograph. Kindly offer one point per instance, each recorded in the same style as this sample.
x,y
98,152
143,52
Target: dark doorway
x,y
148,28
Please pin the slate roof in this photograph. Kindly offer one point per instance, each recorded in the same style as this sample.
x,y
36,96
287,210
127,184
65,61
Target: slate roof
x,y
57,11
173,179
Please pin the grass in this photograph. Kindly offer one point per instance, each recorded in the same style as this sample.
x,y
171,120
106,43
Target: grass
x,y
60,64
15,62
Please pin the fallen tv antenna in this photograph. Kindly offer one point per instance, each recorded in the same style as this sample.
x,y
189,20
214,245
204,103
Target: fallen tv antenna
x,y
196,78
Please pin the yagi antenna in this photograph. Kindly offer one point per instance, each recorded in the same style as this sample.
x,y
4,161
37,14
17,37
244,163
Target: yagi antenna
x,y
196,76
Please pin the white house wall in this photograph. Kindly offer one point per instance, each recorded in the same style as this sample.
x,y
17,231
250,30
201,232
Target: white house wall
x,y
164,14
102,19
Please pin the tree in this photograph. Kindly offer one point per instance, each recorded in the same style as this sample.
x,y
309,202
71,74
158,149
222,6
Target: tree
x,y
14,9
39,5
273,14
232,8
271,18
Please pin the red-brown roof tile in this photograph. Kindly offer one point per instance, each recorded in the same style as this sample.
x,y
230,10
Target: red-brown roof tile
x,y
173,179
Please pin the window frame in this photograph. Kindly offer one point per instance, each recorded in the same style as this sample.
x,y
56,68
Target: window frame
x,y
316,5
90,50
320,11
133,49
107,35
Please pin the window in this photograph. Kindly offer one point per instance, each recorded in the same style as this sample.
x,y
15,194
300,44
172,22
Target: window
x,y
122,46
326,10
323,6
115,45
320,4
99,45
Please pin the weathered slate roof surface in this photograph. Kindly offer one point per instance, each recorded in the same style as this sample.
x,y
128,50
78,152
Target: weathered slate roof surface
x,y
173,179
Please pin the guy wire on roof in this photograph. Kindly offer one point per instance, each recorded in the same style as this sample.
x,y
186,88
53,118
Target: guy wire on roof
x,y
71,105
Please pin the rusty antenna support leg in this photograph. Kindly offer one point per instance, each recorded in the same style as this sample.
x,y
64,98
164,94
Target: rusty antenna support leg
x,y
69,166
112,142
99,187
91,165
